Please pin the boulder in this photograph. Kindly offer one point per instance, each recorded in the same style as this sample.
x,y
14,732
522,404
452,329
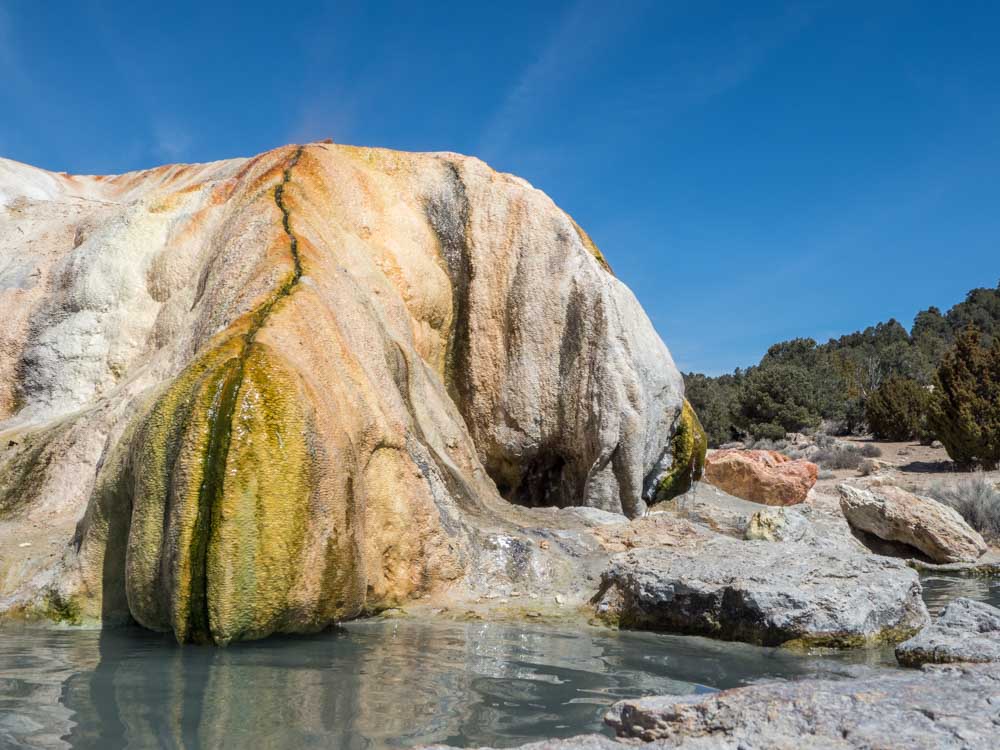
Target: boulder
x,y
939,708
870,466
790,593
895,515
761,476
270,394
967,631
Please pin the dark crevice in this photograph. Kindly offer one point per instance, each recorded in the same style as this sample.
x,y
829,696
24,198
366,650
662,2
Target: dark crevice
x,y
542,483
220,414
448,214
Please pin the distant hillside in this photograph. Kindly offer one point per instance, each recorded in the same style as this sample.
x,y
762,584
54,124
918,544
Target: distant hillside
x,y
800,384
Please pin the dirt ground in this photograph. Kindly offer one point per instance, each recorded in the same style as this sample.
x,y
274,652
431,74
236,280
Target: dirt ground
x,y
910,465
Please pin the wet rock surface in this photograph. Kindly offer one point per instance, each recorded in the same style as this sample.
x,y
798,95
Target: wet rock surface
x,y
895,515
582,742
943,707
792,593
967,631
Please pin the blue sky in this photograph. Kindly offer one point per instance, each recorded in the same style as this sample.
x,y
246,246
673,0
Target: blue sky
x,y
754,171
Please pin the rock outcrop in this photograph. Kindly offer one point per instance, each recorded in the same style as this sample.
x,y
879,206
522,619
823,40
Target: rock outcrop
x,y
688,448
581,742
761,476
709,506
967,631
946,708
264,395
790,593
895,515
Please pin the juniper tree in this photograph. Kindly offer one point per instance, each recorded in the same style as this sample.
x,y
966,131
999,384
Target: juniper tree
x,y
897,409
965,411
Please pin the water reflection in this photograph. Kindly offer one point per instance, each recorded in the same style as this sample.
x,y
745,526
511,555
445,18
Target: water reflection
x,y
939,589
372,685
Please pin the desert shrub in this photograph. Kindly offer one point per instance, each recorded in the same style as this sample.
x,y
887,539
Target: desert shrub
x,y
976,499
826,474
870,450
767,432
897,409
825,441
965,409
765,444
839,457
794,451
867,467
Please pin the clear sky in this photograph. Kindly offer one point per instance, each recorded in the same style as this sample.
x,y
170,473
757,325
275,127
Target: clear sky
x,y
755,171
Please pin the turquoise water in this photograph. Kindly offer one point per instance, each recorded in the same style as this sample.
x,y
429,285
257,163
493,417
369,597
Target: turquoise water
x,y
379,684
375,684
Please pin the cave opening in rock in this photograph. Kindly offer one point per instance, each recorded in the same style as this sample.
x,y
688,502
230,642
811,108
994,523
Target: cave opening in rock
x,y
542,484
888,548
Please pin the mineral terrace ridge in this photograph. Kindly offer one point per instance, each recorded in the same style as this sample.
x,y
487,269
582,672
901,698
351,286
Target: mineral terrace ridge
x,y
266,395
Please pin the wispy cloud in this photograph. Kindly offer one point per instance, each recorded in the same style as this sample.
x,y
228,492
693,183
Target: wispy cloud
x,y
172,140
14,73
692,75
168,138
584,30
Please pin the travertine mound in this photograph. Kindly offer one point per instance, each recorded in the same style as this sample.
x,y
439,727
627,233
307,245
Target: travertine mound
x,y
263,395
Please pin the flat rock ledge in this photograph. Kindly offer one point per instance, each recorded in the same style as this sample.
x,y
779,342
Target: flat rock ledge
x,y
711,507
938,708
790,594
967,631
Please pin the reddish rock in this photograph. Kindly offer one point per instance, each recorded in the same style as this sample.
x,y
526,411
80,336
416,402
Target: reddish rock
x,y
766,477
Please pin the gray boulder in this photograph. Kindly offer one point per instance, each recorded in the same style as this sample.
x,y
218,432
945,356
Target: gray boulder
x,y
792,594
942,707
967,631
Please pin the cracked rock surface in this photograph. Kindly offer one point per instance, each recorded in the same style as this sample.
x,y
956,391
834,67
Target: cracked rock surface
x,y
966,631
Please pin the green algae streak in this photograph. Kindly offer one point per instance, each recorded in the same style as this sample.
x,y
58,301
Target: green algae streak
x,y
219,473
688,448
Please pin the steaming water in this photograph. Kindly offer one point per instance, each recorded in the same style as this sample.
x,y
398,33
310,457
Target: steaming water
x,y
378,684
